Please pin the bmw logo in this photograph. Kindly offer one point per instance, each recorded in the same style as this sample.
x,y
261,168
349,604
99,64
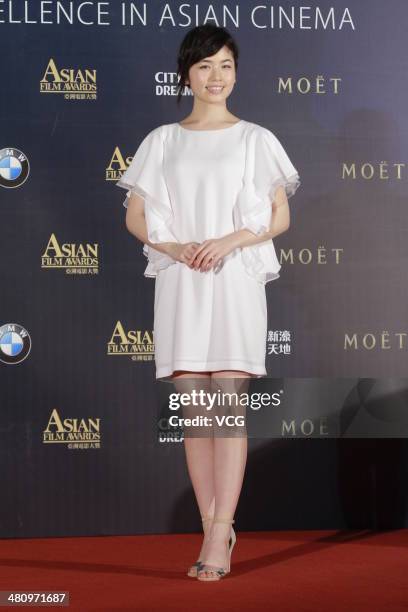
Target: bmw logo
x,y
14,167
15,343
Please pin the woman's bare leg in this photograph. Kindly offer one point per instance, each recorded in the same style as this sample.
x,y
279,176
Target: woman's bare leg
x,y
230,455
199,448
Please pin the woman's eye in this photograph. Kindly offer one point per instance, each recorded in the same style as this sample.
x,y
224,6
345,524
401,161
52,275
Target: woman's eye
x,y
205,66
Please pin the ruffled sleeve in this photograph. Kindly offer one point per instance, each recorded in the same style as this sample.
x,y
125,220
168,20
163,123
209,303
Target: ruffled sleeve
x,y
267,166
145,176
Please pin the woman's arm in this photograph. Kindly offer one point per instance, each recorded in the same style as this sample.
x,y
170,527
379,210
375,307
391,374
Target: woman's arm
x,y
212,251
136,223
280,222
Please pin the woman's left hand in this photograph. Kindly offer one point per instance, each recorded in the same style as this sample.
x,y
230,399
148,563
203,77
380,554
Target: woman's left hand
x,y
211,252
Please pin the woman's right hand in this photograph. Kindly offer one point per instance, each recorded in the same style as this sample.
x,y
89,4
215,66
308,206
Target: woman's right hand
x,y
183,252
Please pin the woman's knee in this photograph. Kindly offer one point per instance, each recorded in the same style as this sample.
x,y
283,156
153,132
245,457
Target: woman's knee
x,y
188,374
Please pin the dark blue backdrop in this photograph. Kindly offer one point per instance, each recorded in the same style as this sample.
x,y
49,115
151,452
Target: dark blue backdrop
x,y
337,311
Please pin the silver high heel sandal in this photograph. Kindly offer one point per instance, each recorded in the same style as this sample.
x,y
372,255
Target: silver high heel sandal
x,y
192,572
218,572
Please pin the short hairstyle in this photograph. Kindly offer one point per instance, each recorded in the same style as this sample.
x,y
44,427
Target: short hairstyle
x,y
200,42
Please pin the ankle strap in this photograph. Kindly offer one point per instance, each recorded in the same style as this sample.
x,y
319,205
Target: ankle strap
x,y
206,518
223,520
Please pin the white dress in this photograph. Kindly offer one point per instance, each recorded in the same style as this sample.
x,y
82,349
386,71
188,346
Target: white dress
x,y
198,185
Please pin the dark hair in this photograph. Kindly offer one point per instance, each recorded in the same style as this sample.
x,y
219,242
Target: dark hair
x,y
200,42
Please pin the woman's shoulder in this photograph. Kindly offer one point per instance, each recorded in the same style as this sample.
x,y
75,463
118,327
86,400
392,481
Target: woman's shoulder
x,y
263,136
155,132
258,129
160,132
165,127
168,127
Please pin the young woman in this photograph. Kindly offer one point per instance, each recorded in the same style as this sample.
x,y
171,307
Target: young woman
x,y
206,196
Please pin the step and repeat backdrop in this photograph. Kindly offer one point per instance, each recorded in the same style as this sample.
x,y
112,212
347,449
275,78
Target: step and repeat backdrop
x,y
82,449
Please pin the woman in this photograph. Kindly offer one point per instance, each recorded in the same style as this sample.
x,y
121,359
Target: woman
x,y
206,196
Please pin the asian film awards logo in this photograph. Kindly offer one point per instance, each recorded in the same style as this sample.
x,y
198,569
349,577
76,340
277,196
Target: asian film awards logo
x,y
73,83
81,258
134,343
76,433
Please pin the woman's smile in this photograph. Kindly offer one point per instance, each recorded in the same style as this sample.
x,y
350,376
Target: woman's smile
x,y
215,89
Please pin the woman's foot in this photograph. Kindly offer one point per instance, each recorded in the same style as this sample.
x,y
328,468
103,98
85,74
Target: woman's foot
x,y
217,555
207,522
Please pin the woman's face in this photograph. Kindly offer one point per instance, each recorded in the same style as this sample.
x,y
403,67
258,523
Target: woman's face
x,y
212,79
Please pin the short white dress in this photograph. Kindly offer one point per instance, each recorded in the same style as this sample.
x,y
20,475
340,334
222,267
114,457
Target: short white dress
x,y
199,185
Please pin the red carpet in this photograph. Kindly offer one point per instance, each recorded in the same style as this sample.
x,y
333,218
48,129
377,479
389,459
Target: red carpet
x,y
284,571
